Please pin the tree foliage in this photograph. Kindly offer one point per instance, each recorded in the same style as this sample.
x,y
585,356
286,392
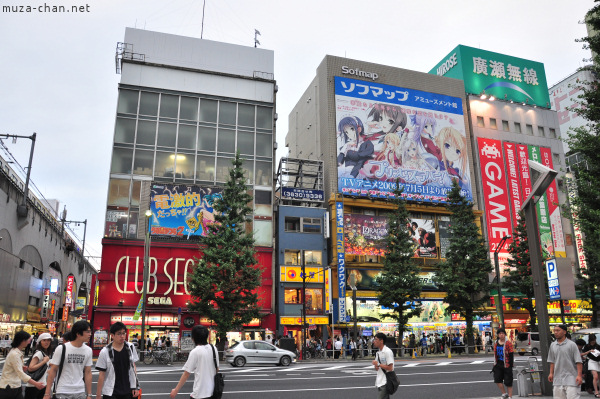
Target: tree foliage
x,y
519,279
585,141
399,283
464,275
225,279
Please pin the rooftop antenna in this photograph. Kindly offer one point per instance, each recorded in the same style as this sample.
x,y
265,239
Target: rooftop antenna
x,y
202,30
256,33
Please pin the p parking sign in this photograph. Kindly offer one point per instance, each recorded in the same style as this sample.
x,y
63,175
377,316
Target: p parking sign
x,y
553,284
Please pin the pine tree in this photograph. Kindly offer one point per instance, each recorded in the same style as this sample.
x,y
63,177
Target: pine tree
x,y
464,275
399,284
586,142
519,279
225,279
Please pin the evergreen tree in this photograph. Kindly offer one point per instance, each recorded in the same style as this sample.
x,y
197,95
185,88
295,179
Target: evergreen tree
x,y
225,279
399,283
585,141
464,275
519,279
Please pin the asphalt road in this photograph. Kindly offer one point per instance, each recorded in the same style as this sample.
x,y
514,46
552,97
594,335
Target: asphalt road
x,y
458,377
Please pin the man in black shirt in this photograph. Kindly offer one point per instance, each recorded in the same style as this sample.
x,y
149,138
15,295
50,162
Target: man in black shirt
x,y
116,365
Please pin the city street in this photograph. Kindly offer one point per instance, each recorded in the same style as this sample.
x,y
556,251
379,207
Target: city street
x,y
458,377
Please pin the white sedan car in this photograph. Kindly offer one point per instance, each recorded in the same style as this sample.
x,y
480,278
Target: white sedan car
x,y
258,352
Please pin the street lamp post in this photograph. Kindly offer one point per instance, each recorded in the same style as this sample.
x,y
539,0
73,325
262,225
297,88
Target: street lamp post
x,y
145,282
499,286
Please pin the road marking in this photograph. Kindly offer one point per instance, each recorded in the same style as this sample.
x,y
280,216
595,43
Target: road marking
x,y
478,362
411,365
335,367
442,364
293,374
245,370
318,373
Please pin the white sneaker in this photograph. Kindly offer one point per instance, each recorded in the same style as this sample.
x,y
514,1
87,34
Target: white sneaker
x,y
504,396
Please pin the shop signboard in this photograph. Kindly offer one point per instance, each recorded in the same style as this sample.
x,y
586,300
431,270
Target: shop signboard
x,y
572,192
293,274
53,308
100,338
182,210
370,311
54,285
80,303
514,184
541,206
560,250
501,75
288,321
444,234
341,260
497,210
387,133
46,303
65,314
69,291
301,194
365,234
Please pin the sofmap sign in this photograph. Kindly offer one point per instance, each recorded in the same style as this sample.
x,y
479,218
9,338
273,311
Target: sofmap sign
x,y
497,74
357,72
387,133
339,221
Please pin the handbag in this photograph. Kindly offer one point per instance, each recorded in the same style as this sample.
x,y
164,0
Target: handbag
x,y
219,378
391,380
39,373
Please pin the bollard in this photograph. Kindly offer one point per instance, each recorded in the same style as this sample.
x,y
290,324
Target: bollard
x,y
413,353
449,353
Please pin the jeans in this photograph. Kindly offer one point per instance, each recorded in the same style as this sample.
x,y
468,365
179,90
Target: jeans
x,y
81,395
382,393
565,392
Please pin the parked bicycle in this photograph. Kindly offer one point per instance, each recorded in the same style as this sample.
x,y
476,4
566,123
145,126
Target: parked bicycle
x,y
160,356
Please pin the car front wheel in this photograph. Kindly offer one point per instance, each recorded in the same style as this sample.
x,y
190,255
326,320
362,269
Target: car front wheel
x,y
239,361
285,361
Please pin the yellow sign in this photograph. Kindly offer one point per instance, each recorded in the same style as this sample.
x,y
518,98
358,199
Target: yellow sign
x,y
298,320
294,274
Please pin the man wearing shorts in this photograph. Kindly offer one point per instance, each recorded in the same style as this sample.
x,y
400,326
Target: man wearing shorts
x,y
503,363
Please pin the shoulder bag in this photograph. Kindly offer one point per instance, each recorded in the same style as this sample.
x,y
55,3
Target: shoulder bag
x,y
391,380
39,373
60,367
219,378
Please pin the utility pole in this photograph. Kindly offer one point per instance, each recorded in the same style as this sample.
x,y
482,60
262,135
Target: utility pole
x,y
499,286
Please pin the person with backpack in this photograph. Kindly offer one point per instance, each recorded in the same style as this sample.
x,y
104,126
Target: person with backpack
x,y
12,372
203,362
71,366
116,366
38,364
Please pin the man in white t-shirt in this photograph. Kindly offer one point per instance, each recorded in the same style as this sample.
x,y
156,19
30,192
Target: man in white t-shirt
x,y
201,363
384,361
338,347
75,379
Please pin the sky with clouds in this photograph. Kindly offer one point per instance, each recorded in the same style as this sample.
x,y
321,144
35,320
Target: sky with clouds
x,y
57,70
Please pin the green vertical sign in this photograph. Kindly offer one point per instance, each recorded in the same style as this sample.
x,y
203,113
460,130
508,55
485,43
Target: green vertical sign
x,y
501,75
543,213
138,310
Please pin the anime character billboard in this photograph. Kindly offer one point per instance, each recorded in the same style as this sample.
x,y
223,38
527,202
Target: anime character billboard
x,y
364,234
387,133
182,210
422,232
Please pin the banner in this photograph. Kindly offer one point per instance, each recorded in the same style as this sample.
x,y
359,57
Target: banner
x,y
572,192
423,235
388,133
444,233
341,261
514,185
542,212
554,208
364,234
138,310
69,290
497,211
46,303
182,210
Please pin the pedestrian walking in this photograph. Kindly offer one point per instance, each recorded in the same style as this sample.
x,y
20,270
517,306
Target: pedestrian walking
x,y
328,347
384,361
75,379
423,343
565,365
12,372
353,348
200,362
504,360
592,351
116,367
39,359
337,348
29,347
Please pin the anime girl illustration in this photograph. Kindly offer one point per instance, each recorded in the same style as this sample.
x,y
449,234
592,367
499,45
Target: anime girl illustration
x,y
355,150
385,119
424,126
414,155
391,150
453,146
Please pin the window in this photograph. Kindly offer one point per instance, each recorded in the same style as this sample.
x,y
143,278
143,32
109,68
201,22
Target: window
x,y
37,273
246,115
146,133
149,103
118,192
505,126
264,118
292,257
293,296
208,110
493,123
33,301
245,142
121,160
529,130
263,173
311,225
517,127
124,130
556,158
169,105
143,163
205,168
227,113
207,137
263,346
128,102
541,131
292,224
370,212
226,141
480,121
552,133
264,145
167,133
189,109
314,301
371,258
223,166
165,164
21,264
312,258
186,137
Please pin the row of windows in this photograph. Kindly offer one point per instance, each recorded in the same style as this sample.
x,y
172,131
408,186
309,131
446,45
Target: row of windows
x,y
297,257
202,168
313,299
150,134
184,108
295,224
541,131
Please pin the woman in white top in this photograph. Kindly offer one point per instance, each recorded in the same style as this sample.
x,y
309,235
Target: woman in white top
x,y
39,359
12,372
592,352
